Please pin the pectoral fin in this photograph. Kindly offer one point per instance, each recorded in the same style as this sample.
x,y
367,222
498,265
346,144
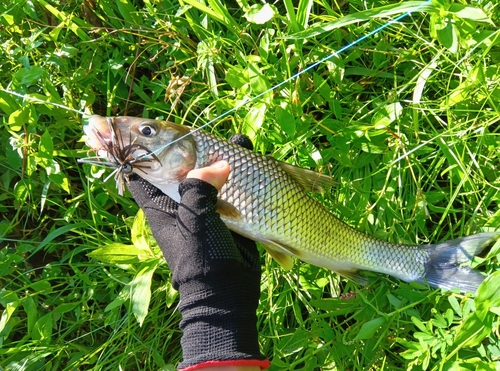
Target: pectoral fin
x,y
224,208
310,180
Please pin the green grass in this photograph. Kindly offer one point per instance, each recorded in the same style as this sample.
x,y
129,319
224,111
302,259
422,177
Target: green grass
x,y
407,122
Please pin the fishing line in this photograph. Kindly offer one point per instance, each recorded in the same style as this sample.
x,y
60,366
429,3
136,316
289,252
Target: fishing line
x,y
308,68
247,100
38,100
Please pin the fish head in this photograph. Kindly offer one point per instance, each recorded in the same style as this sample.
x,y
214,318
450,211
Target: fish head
x,y
161,152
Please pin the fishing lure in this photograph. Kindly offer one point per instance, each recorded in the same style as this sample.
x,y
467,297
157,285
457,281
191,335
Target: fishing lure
x,y
120,156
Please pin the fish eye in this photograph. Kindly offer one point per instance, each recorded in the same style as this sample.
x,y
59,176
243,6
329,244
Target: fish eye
x,y
147,129
127,168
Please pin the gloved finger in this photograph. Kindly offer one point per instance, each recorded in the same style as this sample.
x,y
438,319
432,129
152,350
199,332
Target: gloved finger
x,y
197,210
242,140
152,200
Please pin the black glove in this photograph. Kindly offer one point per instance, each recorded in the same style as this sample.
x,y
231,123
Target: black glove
x,y
217,273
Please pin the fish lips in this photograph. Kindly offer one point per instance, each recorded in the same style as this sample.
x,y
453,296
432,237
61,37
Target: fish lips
x,y
98,135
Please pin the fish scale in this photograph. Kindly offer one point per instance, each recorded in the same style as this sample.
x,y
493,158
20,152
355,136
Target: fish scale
x,y
267,201
296,219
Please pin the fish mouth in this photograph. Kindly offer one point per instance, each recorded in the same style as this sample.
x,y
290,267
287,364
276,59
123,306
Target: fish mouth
x,y
103,136
98,132
125,156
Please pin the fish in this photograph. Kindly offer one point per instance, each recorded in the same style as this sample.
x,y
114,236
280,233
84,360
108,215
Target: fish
x,y
269,202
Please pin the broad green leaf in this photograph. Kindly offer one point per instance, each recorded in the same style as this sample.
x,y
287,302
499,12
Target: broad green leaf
x,y
7,313
448,35
469,12
121,298
372,147
29,76
128,12
31,361
7,102
258,82
57,177
117,253
322,86
417,322
449,316
455,305
369,328
473,330
41,287
140,289
463,91
439,321
30,309
396,303
8,296
21,191
9,18
495,310
472,364
46,147
67,51
488,295
286,121
171,294
387,115
64,308
43,328
18,118
264,44
254,120
336,108
13,156
260,13
293,343
139,234
237,77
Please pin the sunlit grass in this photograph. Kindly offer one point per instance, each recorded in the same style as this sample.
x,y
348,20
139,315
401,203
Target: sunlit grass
x,y
407,123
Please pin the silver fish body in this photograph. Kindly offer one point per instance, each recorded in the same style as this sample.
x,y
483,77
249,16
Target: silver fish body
x,y
267,201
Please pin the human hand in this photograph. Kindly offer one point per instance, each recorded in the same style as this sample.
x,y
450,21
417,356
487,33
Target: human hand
x,y
216,272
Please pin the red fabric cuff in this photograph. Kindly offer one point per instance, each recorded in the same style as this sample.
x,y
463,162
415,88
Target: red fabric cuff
x,y
263,364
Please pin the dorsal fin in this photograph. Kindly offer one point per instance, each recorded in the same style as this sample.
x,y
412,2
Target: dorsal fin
x,y
310,180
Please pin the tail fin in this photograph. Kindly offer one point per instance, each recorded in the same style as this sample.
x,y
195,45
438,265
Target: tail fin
x,y
443,269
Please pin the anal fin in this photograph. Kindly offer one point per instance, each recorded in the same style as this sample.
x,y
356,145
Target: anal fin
x,y
354,276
